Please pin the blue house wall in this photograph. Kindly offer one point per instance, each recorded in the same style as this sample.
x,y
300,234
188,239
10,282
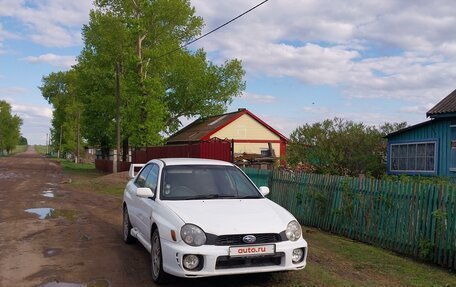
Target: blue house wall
x,y
438,130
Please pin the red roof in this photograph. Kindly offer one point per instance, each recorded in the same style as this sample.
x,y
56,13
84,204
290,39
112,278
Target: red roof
x,y
203,128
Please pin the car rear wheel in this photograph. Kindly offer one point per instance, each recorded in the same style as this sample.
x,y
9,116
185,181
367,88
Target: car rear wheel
x,y
158,275
127,237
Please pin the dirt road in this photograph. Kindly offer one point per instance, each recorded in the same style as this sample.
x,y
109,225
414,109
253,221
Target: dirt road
x,y
78,242
78,239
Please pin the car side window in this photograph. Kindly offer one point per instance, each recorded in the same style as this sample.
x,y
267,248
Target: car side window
x,y
141,179
152,178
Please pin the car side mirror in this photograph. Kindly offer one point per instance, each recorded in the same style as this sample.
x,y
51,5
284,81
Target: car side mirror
x,y
144,192
264,190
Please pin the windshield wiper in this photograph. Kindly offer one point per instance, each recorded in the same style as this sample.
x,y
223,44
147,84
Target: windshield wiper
x,y
249,196
209,196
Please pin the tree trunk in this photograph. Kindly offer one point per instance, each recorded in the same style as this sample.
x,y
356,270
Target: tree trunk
x,y
125,150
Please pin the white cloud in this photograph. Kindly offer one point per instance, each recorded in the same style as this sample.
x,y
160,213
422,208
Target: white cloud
x,y
366,49
256,98
36,121
52,59
31,111
5,35
51,23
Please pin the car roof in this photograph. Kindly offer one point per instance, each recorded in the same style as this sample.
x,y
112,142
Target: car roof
x,y
193,161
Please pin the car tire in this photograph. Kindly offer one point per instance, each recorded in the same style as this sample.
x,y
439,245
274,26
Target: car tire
x,y
126,232
158,275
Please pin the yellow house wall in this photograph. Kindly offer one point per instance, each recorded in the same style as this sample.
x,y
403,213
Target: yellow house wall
x,y
247,128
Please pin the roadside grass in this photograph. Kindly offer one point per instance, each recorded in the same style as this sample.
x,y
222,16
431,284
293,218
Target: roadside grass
x,y
85,177
19,149
72,166
40,149
337,261
332,260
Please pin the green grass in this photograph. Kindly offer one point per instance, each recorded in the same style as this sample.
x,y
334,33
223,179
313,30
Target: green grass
x,y
337,261
86,177
19,149
72,166
41,149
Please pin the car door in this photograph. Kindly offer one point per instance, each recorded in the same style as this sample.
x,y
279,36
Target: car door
x,y
146,205
133,201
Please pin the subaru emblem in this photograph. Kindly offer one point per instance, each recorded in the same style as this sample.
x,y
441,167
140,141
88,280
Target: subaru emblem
x,y
249,239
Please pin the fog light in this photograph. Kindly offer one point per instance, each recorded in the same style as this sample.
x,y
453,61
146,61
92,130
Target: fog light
x,y
297,255
191,262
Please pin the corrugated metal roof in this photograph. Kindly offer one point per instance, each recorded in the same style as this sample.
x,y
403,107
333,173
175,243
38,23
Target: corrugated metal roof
x,y
197,130
445,106
406,129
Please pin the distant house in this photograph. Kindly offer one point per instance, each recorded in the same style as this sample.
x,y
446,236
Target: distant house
x,y
249,133
428,148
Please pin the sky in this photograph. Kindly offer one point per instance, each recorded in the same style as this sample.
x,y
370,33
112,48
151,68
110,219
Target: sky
x,y
305,61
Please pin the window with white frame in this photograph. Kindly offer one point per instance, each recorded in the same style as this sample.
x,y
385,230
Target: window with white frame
x,y
413,157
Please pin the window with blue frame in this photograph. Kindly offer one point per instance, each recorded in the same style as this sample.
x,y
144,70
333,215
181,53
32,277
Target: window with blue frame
x,y
416,157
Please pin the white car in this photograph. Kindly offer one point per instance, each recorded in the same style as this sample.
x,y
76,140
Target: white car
x,y
200,217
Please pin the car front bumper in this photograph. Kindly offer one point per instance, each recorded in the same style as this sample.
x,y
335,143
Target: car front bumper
x,y
217,261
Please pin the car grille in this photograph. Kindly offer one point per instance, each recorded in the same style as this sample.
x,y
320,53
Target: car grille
x,y
226,240
227,262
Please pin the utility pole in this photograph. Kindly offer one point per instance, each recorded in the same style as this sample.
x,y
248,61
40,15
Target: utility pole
x,y
60,142
47,146
118,71
77,155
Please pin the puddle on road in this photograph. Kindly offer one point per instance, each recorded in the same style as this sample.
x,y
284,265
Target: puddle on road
x,y
51,252
47,213
43,213
8,175
48,193
94,283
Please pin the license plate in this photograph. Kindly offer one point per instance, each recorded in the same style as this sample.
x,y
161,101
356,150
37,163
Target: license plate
x,y
255,250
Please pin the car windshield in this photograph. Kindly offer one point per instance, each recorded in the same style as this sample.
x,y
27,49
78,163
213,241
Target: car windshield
x,y
192,182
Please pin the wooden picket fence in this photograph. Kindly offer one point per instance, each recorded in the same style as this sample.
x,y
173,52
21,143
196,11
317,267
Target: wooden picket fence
x,y
407,217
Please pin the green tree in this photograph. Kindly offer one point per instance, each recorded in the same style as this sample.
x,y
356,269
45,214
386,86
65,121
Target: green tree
x,y
60,90
341,147
10,128
157,87
23,141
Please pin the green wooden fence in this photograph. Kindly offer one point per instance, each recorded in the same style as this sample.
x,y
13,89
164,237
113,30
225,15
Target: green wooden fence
x,y
406,217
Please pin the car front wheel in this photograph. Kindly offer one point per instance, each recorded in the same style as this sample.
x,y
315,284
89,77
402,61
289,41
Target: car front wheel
x,y
127,237
158,275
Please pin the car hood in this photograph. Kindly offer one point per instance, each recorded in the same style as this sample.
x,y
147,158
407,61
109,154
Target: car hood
x,y
233,216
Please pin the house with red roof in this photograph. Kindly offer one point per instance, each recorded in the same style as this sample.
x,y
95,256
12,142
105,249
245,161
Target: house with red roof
x,y
249,133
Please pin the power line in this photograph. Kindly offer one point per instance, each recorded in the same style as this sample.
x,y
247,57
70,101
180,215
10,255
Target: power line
x,y
213,30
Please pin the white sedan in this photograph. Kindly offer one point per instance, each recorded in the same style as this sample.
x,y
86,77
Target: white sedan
x,y
200,217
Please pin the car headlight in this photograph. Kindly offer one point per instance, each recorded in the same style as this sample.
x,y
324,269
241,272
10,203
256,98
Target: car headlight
x,y
293,231
193,235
